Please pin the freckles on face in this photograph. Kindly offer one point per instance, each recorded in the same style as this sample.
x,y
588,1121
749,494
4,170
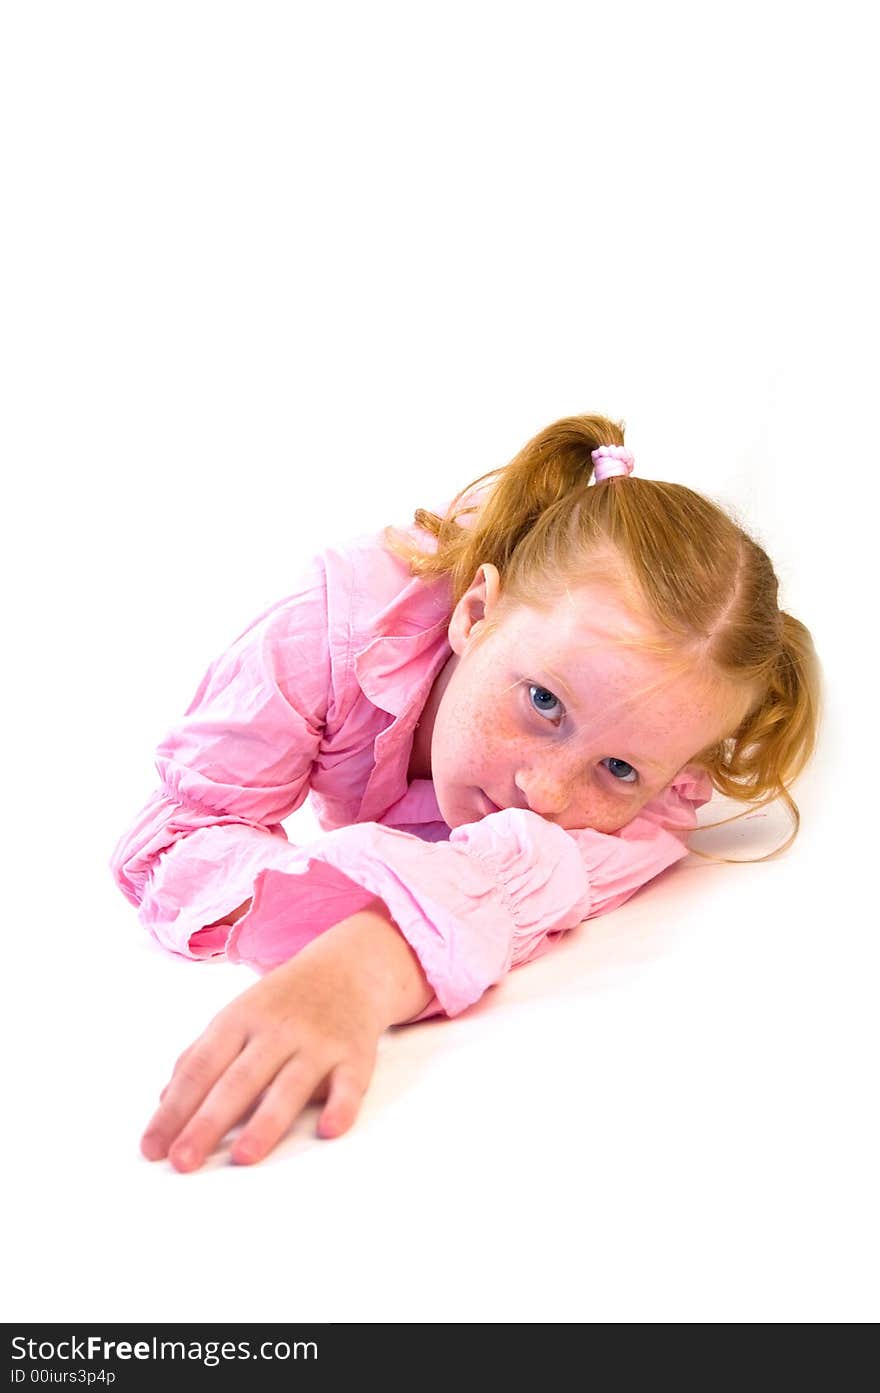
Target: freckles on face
x,y
473,738
492,734
487,737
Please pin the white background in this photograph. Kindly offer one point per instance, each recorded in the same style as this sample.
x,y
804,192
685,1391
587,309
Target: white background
x,y
274,275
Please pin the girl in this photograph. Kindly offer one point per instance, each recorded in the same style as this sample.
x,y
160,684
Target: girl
x,y
506,719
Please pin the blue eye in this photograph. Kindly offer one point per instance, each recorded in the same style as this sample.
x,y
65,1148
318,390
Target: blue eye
x,y
622,772
623,779
543,690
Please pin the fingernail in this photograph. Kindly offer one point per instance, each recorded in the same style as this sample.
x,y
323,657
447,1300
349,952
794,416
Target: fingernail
x,y
183,1156
152,1146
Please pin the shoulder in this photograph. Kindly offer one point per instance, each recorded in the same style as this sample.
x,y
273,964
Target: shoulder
x,y
377,588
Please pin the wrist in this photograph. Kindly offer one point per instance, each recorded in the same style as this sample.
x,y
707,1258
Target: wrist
x,y
383,964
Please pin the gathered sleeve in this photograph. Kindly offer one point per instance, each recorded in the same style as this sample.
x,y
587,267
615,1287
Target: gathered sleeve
x,y
496,895
236,764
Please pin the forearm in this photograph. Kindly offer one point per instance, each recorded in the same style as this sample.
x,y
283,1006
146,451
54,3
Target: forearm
x,y
370,945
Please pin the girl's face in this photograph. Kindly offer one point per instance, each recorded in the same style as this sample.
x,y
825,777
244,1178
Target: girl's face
x,y
545,714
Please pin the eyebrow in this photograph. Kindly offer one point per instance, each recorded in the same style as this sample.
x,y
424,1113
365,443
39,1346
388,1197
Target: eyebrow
x,y
560,682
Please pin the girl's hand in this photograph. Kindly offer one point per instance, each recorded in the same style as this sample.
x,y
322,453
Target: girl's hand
x,y
314,1020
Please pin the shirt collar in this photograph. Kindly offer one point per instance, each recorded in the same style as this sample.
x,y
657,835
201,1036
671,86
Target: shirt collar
x,y
396,672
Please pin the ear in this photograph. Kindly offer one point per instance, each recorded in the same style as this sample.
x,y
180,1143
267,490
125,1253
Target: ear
x,y
474,608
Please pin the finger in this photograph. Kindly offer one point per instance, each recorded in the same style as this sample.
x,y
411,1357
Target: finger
x,y
320,1093
194,1076
347,1089
231,1096
284,1101
177,1063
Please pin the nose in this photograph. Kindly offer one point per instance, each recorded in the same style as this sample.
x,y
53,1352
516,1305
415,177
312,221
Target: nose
x,y
544,792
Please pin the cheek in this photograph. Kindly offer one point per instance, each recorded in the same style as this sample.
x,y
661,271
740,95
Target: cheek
x,y
593,801
607,812
478,729
602,816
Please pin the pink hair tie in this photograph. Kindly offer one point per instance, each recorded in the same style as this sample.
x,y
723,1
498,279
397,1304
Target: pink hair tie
x,y
609,460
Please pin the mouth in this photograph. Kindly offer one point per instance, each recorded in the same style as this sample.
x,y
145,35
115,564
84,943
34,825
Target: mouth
x,y
490,806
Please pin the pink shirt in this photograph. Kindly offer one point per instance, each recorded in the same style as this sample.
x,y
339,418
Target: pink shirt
x,y
319,698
